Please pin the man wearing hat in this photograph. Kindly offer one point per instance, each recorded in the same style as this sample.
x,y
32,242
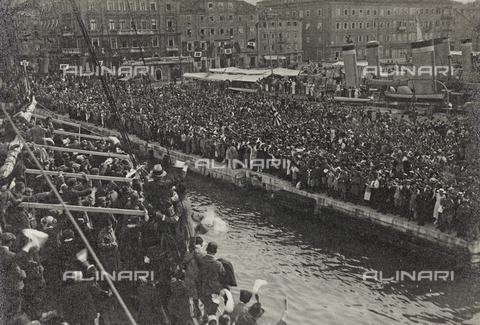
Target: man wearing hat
x,y
12,275
210,272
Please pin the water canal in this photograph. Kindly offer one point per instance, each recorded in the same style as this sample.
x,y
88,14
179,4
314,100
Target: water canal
x,y
320,267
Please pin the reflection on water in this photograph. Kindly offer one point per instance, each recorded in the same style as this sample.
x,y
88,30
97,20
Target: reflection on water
x,y
319,268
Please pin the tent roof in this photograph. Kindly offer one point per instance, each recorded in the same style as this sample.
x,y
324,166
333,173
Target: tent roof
x,y
286,72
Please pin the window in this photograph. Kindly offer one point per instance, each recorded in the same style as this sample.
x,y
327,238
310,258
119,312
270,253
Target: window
x,y
143,25
202,31
280,24
111,24
124,44
212,31
264,36
389,12
121,5
91,5
337,26
171,41
353,12
294,23
360,25
367,25
153,6
240,30
360,12
211,5
294,13
368,12
230,17
123,25
110,6
272,36
288,23
319,12
93,24
189,32
132,24
154,24
345,25
95,42
388,38
230,31
190,47
251,17
211,19
202,18
143,5
319,26
272,23
295,35
273,47
169,24
388,25
220,5
230,5
360,38
307,13
222,31
252,31
353,25
113,43
203,46
221,18
374,12
133,6
169,6
345,12
264,48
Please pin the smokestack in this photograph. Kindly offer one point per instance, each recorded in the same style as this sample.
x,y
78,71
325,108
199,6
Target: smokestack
x,y
467,48
350,65
423,57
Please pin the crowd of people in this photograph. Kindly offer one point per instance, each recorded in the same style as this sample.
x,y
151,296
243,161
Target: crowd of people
x,y
423,169
48,276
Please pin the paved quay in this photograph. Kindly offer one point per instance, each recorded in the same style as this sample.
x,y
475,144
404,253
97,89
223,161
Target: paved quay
x,y
463,252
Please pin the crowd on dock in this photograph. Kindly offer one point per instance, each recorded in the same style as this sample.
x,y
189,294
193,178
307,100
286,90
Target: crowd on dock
x,y
171,276
424,169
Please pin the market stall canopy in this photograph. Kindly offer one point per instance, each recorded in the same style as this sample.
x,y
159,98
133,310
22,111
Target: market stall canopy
x,y
286,72
200,75
233,70
275,57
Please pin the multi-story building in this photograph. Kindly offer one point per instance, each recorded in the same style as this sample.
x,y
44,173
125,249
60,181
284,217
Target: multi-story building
x,y
466,24
119,30
327,25
222,31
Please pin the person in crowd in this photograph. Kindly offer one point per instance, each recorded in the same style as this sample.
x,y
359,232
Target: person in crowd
x,y
210,273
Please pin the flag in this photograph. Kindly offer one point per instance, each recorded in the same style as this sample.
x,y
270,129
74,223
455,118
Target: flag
x,y
227,49
277,119
251,44
197,56
236,45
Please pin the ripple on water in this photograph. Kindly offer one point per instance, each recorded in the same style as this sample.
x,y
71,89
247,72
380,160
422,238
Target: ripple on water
x,y
318,269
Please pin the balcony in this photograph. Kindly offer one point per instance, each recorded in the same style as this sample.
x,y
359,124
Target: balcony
x,y
71,51
172,48
68,33
137,50
126,32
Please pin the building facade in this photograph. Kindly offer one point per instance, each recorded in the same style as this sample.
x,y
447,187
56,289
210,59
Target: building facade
x,y
327,25
235,33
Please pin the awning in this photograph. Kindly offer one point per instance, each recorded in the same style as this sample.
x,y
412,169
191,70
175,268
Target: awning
x,y
274,57
195,75
286,72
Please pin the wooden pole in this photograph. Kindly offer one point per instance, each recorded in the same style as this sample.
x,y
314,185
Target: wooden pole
x,y
48,206
87,136
59,121
77,175
87,152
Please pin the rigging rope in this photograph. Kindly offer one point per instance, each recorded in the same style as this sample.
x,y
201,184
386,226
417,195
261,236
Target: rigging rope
x,y
70,217
105,86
